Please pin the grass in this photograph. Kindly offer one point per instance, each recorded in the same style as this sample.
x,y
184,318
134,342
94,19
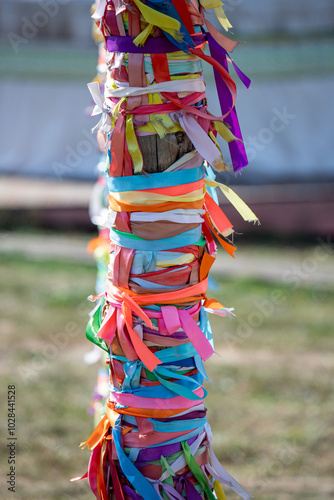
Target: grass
x,y
270,404
43,315
279,317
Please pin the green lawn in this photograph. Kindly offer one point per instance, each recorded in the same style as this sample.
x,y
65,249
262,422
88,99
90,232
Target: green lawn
x,y
270,404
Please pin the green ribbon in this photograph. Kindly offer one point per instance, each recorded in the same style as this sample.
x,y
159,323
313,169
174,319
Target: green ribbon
x,y
93,327
197,471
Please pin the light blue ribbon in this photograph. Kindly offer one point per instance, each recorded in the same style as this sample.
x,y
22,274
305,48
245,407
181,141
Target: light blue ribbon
x,y
154,181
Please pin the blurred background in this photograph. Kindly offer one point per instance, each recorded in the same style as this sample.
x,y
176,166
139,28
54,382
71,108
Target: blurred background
x,y
271,400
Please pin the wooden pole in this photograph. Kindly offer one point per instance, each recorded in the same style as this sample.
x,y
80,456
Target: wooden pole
x,y
159,153
154,441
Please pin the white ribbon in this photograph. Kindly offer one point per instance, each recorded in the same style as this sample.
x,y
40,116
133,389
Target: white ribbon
x,y
117,60
189,86
110,220
200,140
169,490
105,122
99,11
179,216
223,312
222,475
167,216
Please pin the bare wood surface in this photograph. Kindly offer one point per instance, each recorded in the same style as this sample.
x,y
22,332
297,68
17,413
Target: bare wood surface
x,y
159,154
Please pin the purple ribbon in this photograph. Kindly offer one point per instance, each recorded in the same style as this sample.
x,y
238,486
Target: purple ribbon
x,y
244,78
171,492
183,483
191,415
158,45
130,493
237,148
154,453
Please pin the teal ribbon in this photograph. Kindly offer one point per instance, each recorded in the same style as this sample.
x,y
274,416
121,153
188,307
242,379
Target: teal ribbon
x,y
129,240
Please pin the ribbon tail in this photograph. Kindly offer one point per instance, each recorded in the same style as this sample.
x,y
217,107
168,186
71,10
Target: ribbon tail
x,y
229,247
137,309
144,354
195,335
219,219
246,213
201,141
98,434
237,148
131,472
99,11
108,326
95,92
221,16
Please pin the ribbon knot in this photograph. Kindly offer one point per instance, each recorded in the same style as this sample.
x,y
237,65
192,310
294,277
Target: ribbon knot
x,y
105,121
123,112
110,325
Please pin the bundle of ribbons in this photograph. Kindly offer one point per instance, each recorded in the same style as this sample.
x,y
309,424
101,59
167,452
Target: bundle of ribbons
x,y
154,441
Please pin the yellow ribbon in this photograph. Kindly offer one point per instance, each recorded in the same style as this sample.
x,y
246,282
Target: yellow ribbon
x,y
246,213
221,16
143,36
166,23
133,146
217,6
157,127
219,490
219,163
147,198
224,131
186,258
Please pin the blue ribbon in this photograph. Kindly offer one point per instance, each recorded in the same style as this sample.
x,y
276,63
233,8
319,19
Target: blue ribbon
x,y
154,181
168,389
131,472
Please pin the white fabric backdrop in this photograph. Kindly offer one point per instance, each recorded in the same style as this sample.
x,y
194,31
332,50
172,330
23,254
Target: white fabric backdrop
x,y
45,132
